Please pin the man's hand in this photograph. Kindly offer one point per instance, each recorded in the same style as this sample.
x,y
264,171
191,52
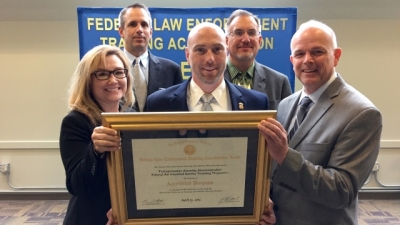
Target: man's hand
x,y
276,137
268,218
110,218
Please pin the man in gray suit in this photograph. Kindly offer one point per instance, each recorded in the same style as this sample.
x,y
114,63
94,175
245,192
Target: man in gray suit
x,y
136,30
320,170
243,37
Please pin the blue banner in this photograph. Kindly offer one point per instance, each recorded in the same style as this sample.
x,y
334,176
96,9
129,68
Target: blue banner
x,y
172,25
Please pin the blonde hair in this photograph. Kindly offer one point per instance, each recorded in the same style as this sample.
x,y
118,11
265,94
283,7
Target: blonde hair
x,y
80,94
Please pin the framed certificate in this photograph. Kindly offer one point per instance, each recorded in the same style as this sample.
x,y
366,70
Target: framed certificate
x,y
189,168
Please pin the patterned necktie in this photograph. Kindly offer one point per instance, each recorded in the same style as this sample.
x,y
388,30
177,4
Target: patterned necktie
x,y
206,99
243,79
305,105
139,85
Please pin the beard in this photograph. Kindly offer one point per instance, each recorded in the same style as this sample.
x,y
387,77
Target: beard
x,y
210,80
243,56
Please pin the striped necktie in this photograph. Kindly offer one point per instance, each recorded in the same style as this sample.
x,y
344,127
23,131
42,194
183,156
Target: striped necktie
x,y
305,105
206,99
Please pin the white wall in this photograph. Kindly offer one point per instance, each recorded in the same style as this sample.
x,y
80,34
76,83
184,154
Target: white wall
x,y
38,59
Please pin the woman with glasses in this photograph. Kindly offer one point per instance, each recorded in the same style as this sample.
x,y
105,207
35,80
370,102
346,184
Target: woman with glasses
x,y
102,82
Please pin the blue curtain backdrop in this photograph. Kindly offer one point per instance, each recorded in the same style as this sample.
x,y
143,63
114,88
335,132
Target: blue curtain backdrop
x,y
172,25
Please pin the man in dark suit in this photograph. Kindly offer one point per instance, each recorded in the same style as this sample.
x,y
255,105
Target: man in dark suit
x,y
243,37
206,54
325,158
136,30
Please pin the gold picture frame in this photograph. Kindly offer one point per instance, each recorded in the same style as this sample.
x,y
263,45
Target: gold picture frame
x,y
218,124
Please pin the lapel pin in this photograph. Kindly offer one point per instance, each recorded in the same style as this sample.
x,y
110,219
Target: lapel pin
x,y
241,106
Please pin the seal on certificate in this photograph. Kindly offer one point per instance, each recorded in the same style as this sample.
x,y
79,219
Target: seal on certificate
x,y
189,149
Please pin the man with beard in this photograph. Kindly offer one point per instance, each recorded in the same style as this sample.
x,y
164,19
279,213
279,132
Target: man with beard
x,y
157,73
206,54
243,37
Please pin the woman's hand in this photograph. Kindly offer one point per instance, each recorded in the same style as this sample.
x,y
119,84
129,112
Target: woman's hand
x,y
105,139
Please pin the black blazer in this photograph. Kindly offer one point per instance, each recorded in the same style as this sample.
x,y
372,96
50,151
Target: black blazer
x,y
86,173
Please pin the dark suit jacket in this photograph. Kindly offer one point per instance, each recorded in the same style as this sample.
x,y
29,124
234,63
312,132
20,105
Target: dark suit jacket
x,y
330,157
86,173
266,80
174,98
163,73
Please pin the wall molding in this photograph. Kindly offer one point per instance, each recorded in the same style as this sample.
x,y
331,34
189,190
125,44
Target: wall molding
x,y
390,143
8,145
5,145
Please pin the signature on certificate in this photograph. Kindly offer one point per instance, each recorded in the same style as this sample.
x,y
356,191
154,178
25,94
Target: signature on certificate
x,y
228,199
153,202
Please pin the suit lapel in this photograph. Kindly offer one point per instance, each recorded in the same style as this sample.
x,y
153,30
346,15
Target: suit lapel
x,y
317,111
227,75
179,101
154,72
259,78
286,111
237,100
285,116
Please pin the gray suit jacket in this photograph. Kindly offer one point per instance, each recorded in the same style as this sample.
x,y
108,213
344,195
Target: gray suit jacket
x,y
329,158
271,82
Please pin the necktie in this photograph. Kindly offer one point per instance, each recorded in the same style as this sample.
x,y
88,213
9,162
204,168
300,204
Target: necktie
x,y
139,85
305,105
206,99
243,79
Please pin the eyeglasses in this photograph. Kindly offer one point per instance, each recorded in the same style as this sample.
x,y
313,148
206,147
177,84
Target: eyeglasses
x,y
239,33
105,74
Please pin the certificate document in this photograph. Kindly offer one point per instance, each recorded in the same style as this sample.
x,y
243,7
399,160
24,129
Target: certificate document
x,y
189,173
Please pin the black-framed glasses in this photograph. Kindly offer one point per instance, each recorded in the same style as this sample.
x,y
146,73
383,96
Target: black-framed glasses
x,y
238,33
105,74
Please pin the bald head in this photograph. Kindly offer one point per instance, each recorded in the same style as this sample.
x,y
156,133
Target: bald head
x,y
315,26
314,55
206,54
203,28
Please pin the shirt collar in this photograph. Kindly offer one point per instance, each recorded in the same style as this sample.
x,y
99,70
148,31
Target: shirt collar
x,y
233,71
144,58
195,93
316,94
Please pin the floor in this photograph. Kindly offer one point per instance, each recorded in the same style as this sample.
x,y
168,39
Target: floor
x,y
52,212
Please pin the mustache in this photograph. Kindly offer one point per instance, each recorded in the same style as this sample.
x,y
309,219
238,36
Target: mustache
x,y
246,45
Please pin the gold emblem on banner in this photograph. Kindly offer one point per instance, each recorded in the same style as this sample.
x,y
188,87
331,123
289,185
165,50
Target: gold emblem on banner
x,y
189,149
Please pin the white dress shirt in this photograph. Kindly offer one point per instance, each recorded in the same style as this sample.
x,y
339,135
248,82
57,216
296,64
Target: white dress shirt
x,y
144,63
314,97
221,95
